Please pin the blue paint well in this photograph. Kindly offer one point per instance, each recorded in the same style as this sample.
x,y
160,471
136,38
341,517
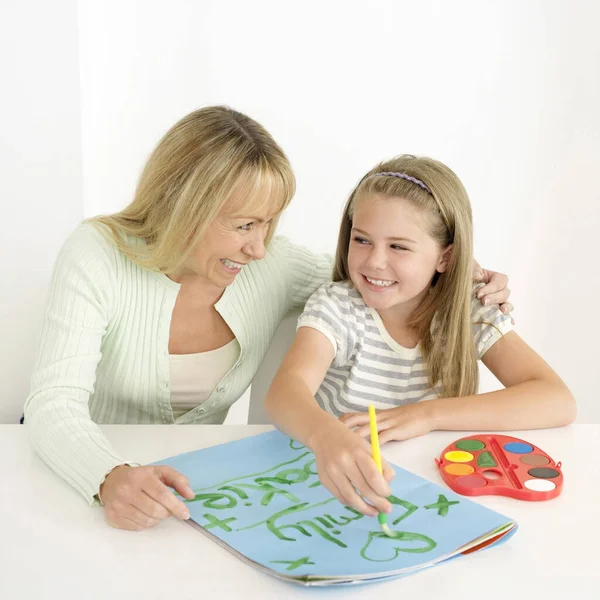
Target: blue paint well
x,y
518,447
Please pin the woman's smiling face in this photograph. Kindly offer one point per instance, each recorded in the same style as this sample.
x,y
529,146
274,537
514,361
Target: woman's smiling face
x,y
235,237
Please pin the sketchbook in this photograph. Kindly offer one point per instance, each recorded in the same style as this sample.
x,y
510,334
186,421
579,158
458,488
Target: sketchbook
x,y
261,499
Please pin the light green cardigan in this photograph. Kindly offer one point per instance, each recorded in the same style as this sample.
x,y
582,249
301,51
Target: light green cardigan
x,y
103,355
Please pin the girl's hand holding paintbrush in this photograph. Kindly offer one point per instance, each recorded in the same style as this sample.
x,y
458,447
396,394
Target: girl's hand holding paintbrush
x,y
347,469
344,459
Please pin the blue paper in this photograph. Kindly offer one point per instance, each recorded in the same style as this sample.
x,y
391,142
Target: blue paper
x,y
261,496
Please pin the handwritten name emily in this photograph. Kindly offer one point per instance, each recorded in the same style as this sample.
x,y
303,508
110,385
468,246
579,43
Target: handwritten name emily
x,y
279,481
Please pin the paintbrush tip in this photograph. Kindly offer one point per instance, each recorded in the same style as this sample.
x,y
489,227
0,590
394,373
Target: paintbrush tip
x,y
388,531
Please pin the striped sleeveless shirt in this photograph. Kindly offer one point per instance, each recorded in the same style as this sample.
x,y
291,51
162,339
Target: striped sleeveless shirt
x,y
369,366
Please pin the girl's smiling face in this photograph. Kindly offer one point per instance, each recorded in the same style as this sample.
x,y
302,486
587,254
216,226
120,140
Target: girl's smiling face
x,y
392,258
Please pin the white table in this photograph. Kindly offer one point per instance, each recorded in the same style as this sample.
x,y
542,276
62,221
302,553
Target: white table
x,y
53,545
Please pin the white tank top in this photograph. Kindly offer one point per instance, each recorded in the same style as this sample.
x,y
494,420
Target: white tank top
x,y
195,376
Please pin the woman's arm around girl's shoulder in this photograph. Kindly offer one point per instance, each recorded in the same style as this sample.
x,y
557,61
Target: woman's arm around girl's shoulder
x,y
305,271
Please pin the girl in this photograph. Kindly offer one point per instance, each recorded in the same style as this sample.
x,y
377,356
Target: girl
x,y
401,324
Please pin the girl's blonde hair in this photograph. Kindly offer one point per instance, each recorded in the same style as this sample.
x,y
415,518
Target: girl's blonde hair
x,y
443,320
193,171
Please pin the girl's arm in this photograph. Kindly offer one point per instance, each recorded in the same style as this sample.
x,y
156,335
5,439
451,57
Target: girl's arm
x,y
344,460
290,403
535,397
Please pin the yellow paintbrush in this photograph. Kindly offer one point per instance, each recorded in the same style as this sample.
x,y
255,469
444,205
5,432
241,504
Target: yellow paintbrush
x,y
382,517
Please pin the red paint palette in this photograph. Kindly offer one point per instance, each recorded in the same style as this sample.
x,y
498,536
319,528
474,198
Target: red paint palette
x,y
480,465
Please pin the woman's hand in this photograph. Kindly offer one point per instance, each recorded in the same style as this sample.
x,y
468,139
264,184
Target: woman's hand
x,y
139,497
400,423
346,468
495,290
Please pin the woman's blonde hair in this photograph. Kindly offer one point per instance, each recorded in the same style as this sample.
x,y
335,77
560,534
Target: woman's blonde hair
x,y
193,171
443,320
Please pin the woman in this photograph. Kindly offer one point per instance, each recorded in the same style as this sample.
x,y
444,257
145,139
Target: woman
x,y
162,313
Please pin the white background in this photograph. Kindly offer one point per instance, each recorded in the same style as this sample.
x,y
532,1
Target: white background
x,y
507,94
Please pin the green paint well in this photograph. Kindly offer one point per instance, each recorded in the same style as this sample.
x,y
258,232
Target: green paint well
x,y
470,445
